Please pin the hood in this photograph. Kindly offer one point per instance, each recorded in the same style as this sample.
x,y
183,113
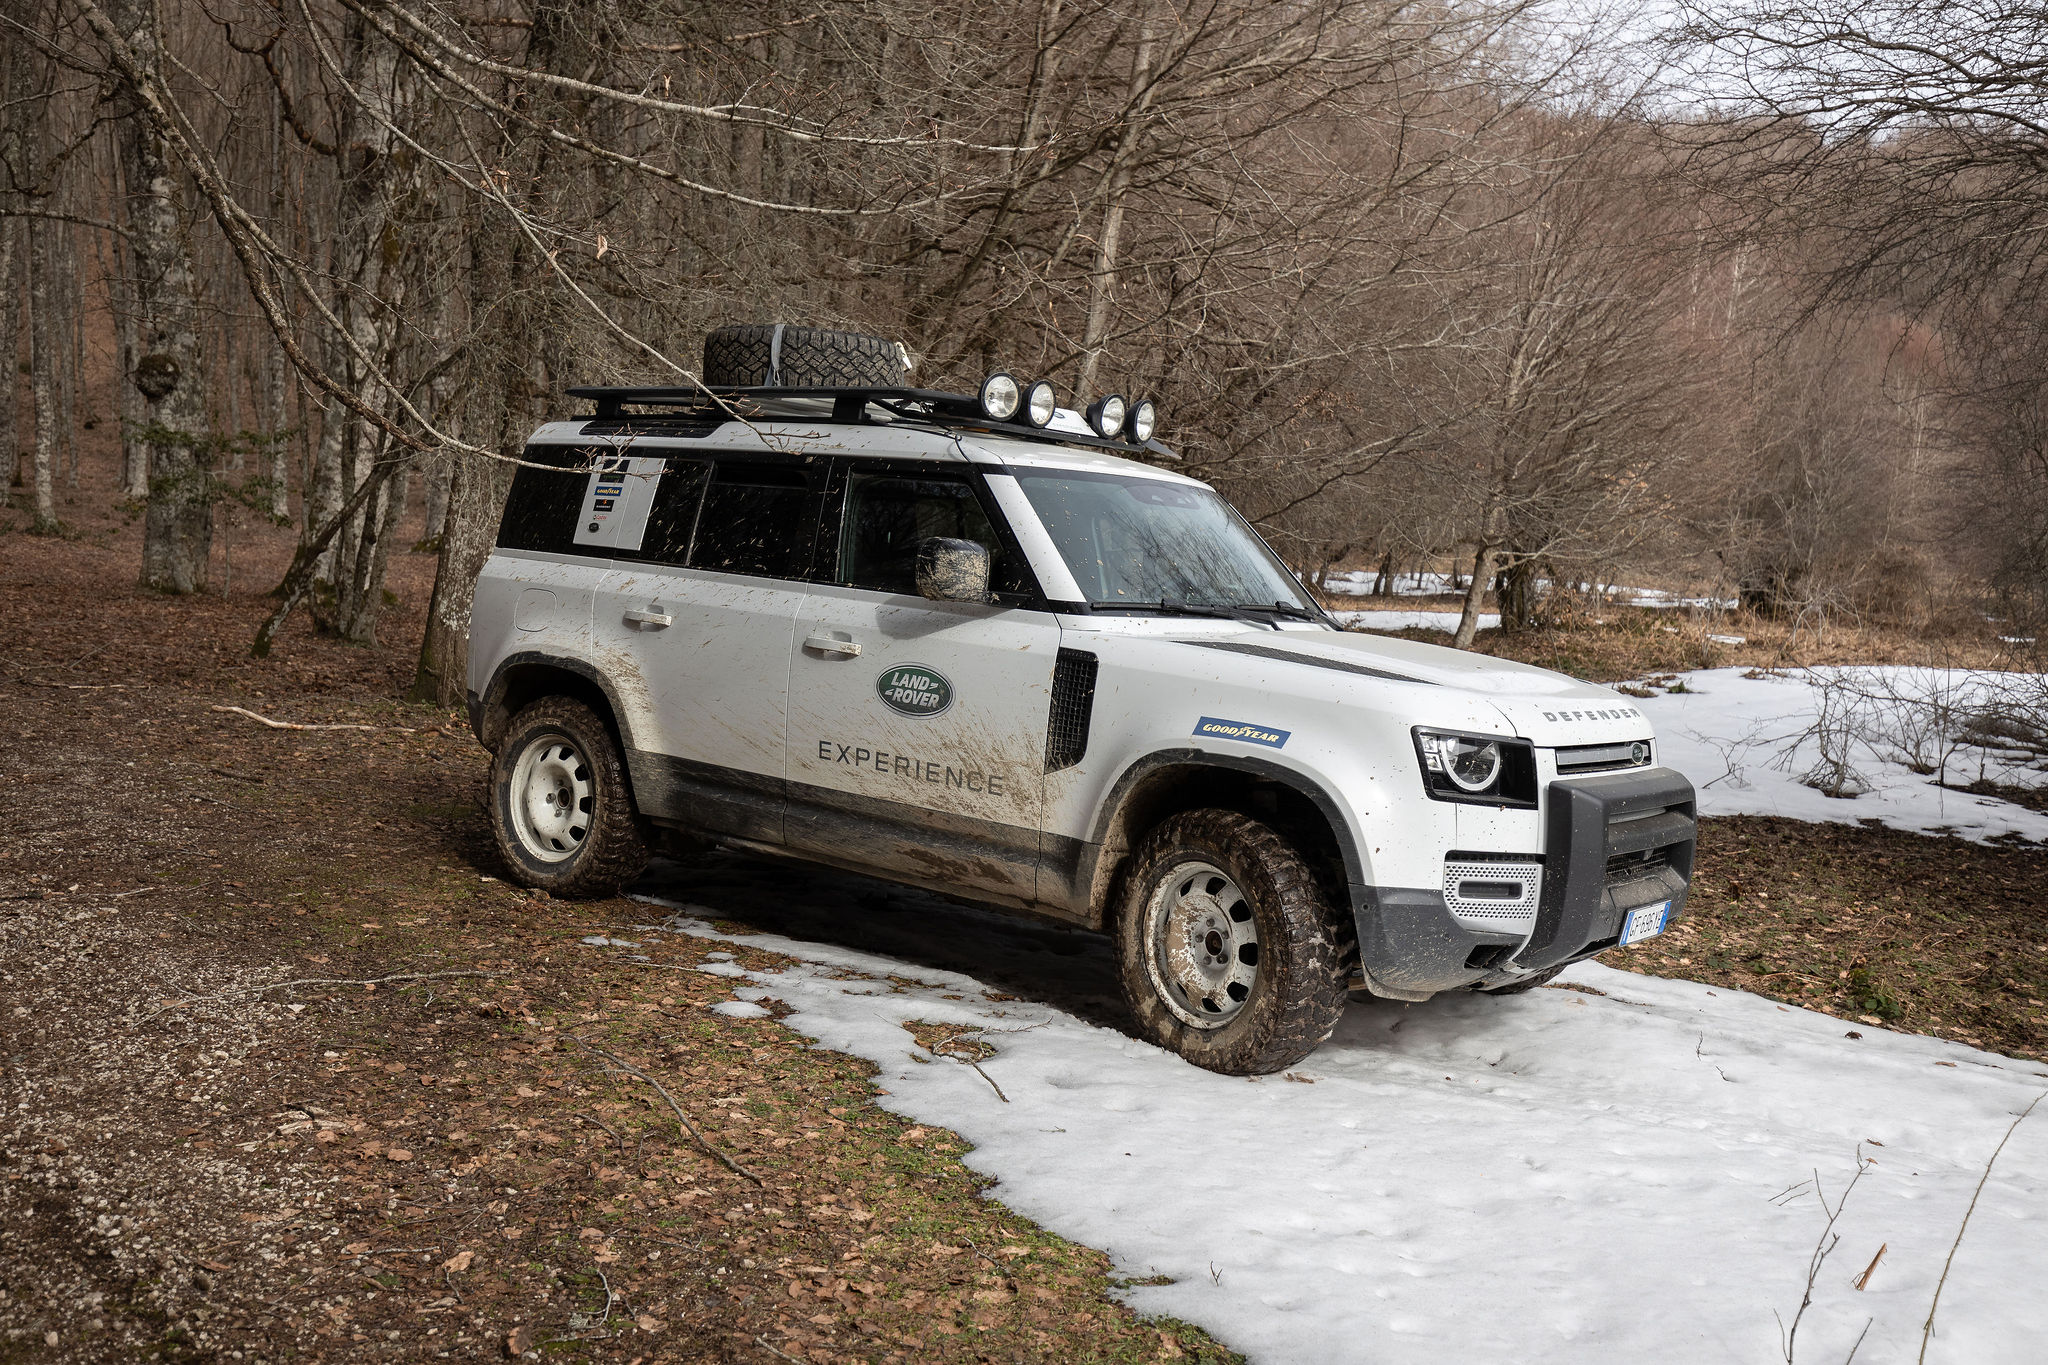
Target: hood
x,y
1542,706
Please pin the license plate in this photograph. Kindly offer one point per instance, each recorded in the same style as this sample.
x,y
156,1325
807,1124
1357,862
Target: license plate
x,y
1646,922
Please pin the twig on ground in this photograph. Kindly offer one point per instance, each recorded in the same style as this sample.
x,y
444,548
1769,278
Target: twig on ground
x,y
762,1342
1927,1328
1863,1280
239,777
313,981
985,1076
1823,1246
389,1251
606,1126
295,725
124,895
681,1117
1851,1358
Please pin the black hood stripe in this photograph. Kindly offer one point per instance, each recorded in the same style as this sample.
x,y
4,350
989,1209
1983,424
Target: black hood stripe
x,y
1312,660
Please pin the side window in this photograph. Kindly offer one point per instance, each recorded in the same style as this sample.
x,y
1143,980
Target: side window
x,y
888,514
673,518
758,519
542,509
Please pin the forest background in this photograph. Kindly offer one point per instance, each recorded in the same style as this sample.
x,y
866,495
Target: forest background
x,y
1741,296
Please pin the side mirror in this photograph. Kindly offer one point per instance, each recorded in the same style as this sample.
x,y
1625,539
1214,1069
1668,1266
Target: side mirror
x,y
952,570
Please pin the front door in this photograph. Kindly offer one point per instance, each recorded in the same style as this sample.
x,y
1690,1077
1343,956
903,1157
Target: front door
x,y
917,728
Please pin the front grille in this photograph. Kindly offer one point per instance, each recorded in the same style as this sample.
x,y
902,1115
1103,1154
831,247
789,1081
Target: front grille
x,y
1073,703
1492,893
1577,759
1628,867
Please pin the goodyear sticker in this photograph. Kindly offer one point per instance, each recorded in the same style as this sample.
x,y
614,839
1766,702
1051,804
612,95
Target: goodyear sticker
x,y
1237,729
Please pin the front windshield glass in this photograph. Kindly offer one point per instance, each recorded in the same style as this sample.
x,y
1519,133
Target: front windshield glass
x,y
1136,542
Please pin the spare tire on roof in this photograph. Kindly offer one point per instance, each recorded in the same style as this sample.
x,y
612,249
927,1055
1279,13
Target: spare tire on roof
x,y
750,355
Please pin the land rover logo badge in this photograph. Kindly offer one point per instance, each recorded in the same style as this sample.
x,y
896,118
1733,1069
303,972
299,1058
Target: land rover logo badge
x,y
914,690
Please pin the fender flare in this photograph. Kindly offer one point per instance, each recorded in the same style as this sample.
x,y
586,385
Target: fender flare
x,y
494,692
1119,794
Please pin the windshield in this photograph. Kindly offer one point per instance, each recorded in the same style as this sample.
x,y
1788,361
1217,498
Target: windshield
x,y
1148,543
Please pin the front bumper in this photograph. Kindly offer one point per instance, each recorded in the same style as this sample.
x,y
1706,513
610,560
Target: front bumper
x,y
1612,844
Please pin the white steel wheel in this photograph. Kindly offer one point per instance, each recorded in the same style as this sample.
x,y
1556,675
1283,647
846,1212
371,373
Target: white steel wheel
x,y
550,799
1203,945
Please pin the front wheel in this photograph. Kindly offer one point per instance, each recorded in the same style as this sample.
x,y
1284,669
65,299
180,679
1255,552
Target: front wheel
x,y
560,807
1229,952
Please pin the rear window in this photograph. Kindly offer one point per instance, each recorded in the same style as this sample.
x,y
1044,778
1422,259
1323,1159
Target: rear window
x,y
673,517
758,519
541,510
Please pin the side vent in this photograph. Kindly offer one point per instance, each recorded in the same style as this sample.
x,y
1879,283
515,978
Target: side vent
x,y
1073,702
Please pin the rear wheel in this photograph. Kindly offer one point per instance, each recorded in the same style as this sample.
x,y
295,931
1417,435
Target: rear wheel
x,y
1229,952
560,806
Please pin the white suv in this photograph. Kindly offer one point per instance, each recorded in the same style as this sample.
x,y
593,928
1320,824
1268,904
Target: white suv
x,y
963,643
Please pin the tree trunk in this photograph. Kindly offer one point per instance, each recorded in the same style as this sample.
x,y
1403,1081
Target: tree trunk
x,y
1475,594
178,523
1383,581
11,268
42,347
1516,594
1102,280
476,495
435,478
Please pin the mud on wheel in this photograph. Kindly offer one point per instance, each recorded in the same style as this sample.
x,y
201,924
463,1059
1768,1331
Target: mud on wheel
x,y
1229,951
560,806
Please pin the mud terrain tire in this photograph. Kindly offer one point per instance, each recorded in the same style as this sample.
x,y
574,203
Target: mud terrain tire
x,y
812,358
585,846
1187,877
1527,983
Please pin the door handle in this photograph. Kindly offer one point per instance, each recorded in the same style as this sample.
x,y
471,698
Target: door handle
x,y
652,617
825,644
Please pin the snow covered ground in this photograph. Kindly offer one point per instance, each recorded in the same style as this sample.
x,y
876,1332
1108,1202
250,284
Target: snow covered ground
x,y
1621,1172
1738,739
1404,620
1359,583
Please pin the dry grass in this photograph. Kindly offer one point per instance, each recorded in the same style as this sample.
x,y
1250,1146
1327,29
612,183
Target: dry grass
x,y
1615,644
1875,926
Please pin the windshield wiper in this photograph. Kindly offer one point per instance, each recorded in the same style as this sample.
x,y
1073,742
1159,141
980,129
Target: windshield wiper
x,y
1251,612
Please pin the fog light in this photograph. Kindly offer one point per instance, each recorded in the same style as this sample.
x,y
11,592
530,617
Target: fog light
x,y
1000,396
1106,416
1144,420
1039,404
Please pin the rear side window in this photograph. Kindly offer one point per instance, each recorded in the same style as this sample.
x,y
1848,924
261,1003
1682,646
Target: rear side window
x,y
758,519
673,518
541,509
888,514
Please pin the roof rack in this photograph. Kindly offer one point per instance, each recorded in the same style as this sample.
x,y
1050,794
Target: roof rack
x,y
850,404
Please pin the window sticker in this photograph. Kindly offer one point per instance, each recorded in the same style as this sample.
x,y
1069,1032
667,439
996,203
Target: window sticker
x,y
616,502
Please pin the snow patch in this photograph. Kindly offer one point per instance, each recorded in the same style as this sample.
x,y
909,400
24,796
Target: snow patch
x,y
1615,1168
1739,739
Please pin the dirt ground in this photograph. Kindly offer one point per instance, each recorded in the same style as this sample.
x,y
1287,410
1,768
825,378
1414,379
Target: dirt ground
x,y
288,1073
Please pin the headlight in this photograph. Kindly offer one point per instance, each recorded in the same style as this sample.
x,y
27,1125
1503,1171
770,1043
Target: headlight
x,y
1144,420
1039,404
999,397
1479,768
1106,415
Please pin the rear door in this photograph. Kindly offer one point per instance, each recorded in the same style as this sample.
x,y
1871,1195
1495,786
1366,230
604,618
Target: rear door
x,y
697,625
917,728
